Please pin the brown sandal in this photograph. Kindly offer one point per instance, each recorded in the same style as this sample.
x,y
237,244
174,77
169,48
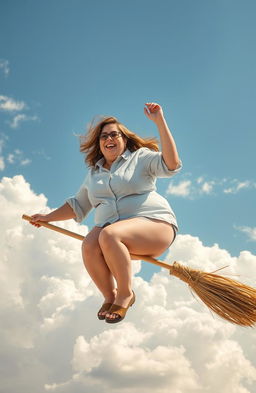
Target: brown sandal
x,y
104,307
119,311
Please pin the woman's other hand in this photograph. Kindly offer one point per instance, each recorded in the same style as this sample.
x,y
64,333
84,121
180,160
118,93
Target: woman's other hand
x,y
153,111
38,217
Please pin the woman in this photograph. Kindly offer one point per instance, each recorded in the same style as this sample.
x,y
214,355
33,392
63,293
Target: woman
x,y
131,217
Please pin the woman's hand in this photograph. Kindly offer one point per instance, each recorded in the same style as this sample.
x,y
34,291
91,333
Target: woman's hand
x,y
38,217
153,111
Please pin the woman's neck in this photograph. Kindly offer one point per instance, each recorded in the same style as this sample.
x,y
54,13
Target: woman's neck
x,y
107,164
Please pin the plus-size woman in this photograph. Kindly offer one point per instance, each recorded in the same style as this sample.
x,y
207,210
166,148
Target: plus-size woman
x,y
130,216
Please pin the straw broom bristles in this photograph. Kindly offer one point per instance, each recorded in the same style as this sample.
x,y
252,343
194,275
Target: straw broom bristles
x,y
230,299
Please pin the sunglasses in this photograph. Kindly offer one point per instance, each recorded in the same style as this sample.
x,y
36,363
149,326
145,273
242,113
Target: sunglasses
x,y
112,135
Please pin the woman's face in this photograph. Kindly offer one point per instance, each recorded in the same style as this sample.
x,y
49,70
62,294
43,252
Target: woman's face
x,y
114,145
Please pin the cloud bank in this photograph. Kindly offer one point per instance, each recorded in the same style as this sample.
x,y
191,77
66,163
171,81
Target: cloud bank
x,y
52,341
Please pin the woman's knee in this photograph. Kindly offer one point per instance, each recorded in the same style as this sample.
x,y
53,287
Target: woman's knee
x,y
90,245
107,236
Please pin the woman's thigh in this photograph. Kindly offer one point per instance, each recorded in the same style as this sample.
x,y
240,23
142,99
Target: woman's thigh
x,y
142,236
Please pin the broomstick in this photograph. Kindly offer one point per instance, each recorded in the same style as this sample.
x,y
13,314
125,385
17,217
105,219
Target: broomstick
x,y
230,299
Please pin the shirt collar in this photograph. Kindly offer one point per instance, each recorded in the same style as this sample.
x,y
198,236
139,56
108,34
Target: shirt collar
x,y
126,154
100,162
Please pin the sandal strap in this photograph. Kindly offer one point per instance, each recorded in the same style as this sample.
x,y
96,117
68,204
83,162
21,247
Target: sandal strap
x,y
119,311
105,307
115,309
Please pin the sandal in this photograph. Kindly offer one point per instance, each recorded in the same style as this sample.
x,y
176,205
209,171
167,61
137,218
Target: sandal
x,y
104,307
119,311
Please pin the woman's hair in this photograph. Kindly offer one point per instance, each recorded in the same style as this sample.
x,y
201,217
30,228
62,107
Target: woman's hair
x,y
89,143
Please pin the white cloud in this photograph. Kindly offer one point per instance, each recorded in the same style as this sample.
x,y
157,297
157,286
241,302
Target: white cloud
x,y
250,232
200,179
10,158
194,188
17,157
186,188
237,186
18,119
10,105
26,161
181,189
4,66
207,187
122,359
169,342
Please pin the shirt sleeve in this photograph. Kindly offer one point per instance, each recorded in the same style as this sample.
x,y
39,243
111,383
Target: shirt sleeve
x,y
80,204
156,165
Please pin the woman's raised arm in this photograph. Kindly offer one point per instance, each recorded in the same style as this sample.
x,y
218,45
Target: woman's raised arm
x,y
170,154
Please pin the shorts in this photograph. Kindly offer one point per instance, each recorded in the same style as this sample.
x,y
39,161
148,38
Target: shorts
x,y
175,229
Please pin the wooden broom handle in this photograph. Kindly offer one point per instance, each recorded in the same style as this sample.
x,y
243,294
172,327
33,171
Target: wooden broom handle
x,y
146,258
55,228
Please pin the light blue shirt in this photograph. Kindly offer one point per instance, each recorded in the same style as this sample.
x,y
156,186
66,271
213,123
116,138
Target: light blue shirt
x,y
127,190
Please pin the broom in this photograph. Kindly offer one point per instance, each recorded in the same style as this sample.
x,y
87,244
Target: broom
x,y
230,299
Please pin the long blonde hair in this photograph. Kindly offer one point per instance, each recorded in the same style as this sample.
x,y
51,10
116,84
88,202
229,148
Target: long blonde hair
x,y
89,143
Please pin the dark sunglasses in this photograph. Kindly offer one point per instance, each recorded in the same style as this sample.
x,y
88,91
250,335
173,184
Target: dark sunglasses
x,y
112,135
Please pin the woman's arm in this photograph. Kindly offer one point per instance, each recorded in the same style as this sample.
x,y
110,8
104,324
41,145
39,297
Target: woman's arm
x,y
170,154
65,212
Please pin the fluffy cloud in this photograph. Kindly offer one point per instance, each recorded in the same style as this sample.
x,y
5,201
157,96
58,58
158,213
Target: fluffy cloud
x,y
52,341
181,189
8,104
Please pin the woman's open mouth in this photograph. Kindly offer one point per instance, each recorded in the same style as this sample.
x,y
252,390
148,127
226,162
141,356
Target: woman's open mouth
x,y
110,146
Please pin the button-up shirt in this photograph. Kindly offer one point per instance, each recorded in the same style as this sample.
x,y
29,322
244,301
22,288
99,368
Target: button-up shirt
x,y
126,190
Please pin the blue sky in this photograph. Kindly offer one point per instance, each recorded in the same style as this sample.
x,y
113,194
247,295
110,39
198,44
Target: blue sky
x,y
63,62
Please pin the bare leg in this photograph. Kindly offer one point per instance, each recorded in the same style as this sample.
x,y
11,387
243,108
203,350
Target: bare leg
x,y
132,236
96,266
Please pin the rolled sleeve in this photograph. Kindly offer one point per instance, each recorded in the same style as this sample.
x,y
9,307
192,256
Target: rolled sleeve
x,y
169,172
80,204
157,166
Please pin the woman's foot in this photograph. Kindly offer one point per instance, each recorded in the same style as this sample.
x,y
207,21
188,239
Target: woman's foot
x,y
109,300
118,310
103,310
